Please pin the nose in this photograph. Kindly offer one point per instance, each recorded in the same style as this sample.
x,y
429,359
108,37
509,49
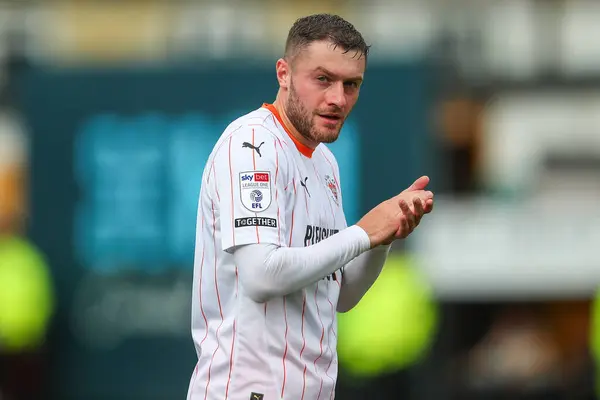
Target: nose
x,y
336,95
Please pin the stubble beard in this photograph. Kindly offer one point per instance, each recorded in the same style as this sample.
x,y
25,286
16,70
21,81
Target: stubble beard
x,y
303,121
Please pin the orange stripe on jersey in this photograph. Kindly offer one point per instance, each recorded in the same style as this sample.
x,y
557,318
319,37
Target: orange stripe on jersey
x,y
230,363
212,360
320,389
215,174
254,168
286,348
329,344
305,150
284,310
303,382
292,223
212,165
277,194
231,191
218,301
193,382
303,342
215,250
232,339
200,285
322,335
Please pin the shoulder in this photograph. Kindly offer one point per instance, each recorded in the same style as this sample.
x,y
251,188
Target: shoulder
x,y
253,130
253,141
328,156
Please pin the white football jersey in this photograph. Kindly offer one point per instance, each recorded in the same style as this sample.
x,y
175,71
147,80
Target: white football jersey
x,y
262,186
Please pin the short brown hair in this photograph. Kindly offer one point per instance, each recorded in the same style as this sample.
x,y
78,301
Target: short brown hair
x,y
329,27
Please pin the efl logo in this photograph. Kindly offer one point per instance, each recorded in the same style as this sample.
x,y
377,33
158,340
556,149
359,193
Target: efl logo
x,y
258,177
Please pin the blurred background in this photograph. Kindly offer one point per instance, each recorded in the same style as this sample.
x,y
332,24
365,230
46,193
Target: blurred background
x,y
109,109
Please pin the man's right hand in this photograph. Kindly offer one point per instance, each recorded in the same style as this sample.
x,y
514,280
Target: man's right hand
x,y
395,218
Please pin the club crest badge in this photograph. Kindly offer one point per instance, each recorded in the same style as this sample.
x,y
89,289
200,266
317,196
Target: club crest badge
x,y
255,190
333,189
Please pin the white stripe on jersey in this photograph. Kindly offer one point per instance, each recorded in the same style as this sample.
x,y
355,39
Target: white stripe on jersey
x,y
259,186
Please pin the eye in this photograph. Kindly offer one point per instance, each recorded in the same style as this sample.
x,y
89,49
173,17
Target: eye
x,y
351,84
322,78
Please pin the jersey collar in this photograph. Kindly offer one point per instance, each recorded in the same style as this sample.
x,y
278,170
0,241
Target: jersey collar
x,y
305,150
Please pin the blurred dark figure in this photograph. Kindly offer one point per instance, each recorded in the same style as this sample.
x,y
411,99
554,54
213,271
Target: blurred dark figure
x,y
26,300
459,119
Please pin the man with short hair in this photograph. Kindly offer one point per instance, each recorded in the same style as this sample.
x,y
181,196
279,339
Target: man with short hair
x,y
274,257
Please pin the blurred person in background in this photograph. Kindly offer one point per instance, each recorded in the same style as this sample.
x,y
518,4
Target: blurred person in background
x,y
275,259
26,300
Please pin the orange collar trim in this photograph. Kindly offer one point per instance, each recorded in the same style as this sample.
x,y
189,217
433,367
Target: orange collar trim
x,y
302,148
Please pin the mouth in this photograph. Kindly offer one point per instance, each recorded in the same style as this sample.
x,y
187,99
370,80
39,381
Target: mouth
x,y
333,118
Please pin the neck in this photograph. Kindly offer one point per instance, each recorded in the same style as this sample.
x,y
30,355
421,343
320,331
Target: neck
x,y
280,106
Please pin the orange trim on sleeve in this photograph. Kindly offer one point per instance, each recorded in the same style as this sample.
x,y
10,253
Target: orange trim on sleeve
x,y
305,150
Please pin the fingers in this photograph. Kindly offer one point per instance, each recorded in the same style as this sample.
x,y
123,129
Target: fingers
x,y
428,206
423,194
425,201
419,208
409,215
413,206
418,211
404,228
405,208
397,217
426,198
419,184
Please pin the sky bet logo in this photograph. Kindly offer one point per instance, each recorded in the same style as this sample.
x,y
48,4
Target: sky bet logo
x,y
256,177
